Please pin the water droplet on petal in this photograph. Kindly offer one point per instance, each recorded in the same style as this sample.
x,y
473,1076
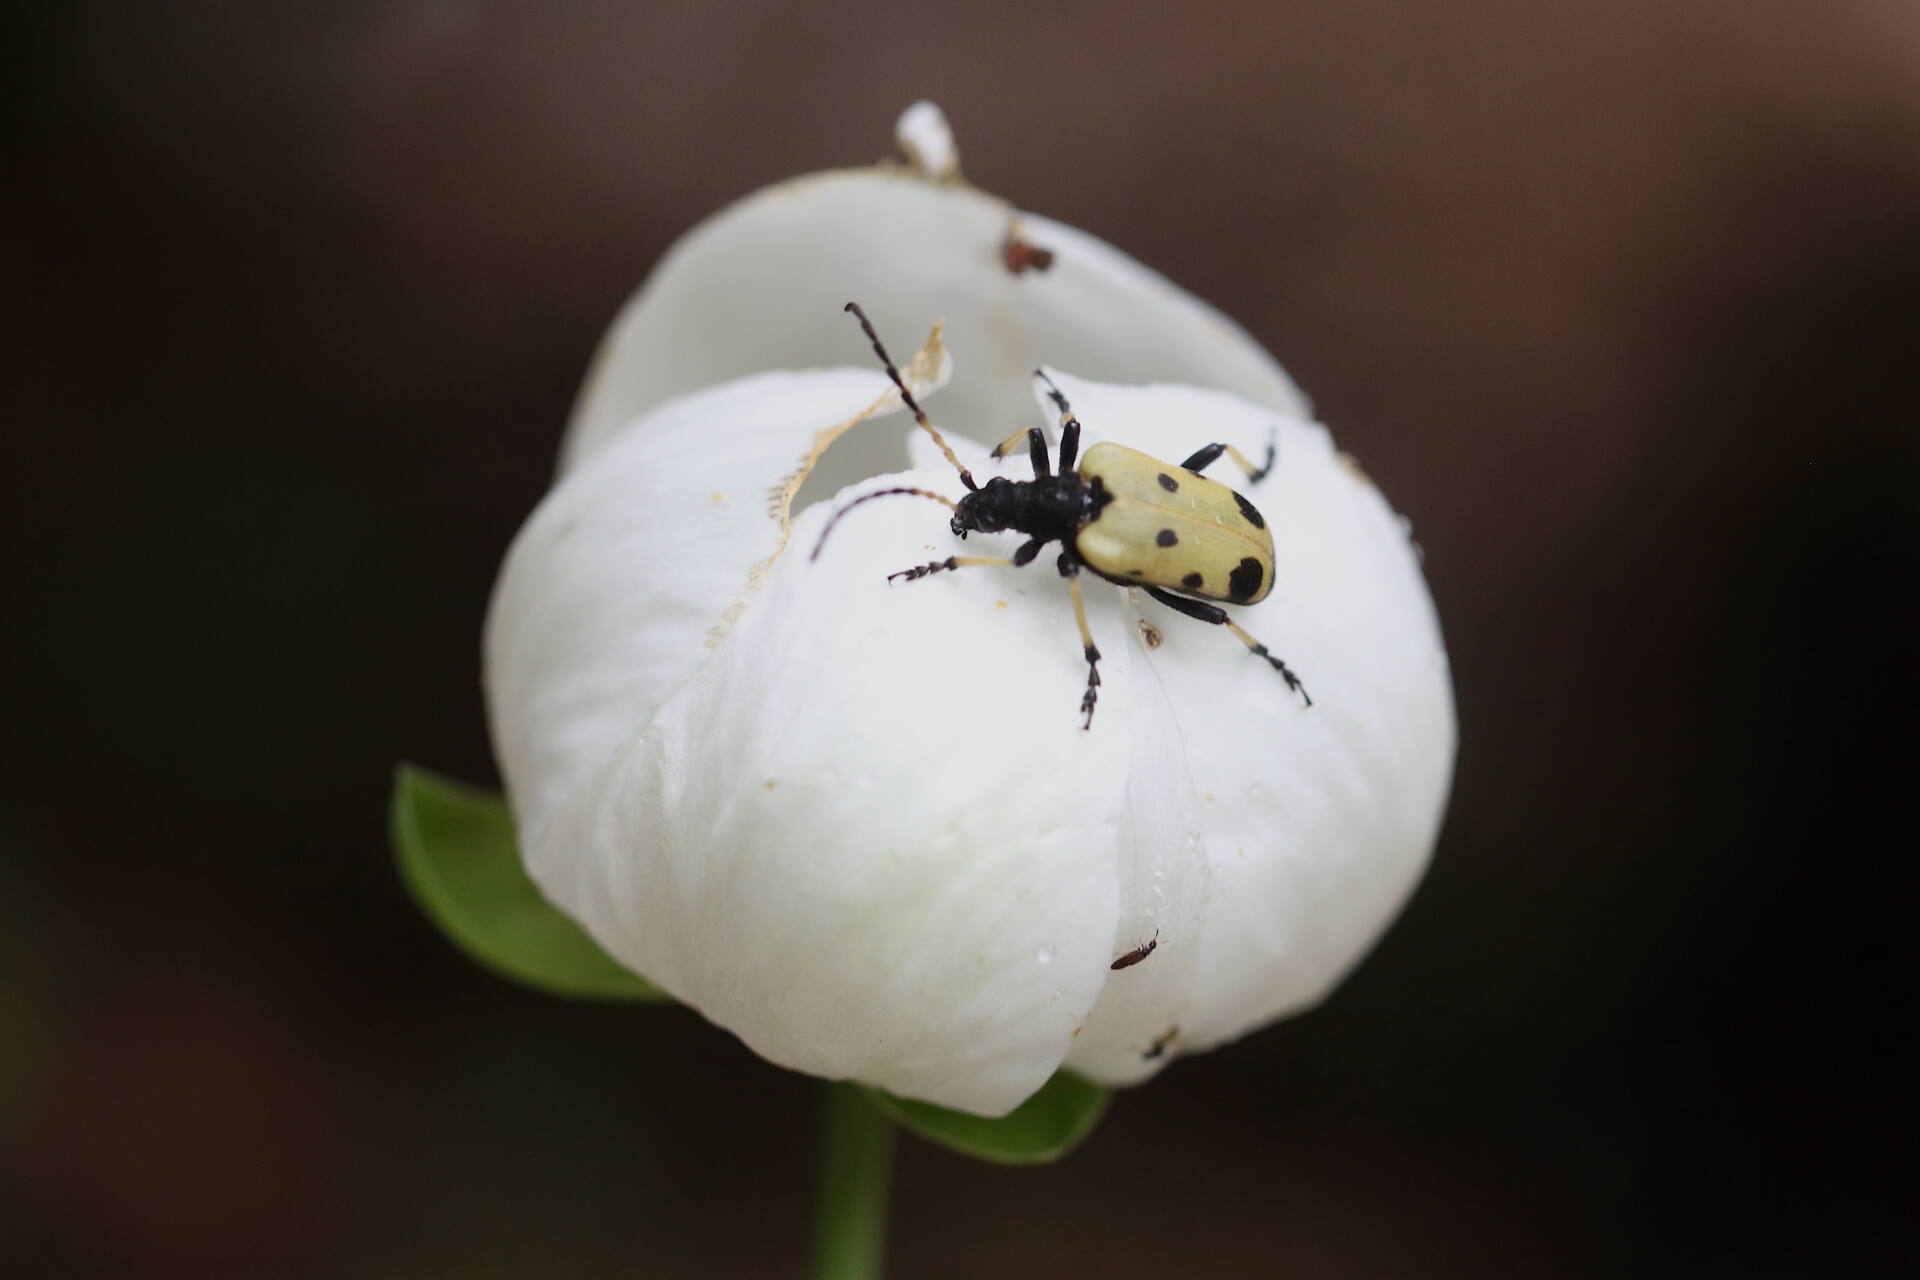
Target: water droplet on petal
x,y
1046,954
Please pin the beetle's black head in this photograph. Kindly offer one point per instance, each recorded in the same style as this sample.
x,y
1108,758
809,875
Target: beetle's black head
x,y
989,509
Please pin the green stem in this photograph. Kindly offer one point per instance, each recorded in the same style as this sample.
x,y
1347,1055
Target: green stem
x,y
850,1212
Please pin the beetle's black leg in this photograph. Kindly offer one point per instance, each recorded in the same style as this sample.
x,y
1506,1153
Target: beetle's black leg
x,y
1037,450
1069,425
1024,556
1273,450
1069,442
1206,455
1036,442
1070,570
1218,617
951,562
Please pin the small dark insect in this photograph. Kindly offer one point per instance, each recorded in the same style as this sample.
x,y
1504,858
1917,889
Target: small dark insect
x,y
1138,954
1159,1046
1020,257
1119,514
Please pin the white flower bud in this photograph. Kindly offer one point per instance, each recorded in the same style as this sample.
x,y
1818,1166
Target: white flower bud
x,y
859,824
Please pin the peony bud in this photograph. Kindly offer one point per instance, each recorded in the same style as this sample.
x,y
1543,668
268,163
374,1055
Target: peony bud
x,y
860,824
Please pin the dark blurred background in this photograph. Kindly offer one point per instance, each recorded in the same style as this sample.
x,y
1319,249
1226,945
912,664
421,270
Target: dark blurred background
x,y
1621,304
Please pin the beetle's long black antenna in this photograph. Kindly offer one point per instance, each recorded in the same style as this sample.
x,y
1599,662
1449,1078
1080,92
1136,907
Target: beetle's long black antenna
x,y
919,414
869,497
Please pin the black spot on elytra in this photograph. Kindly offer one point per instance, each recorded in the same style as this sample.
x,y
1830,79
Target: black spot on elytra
x,y
1245,580
1193,582
1168,483
1166,538
1251,512
1097,498
1136,573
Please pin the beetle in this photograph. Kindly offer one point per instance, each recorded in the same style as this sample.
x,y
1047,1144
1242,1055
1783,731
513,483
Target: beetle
x,y
1122,515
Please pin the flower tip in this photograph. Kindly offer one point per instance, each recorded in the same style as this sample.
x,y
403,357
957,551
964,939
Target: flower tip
x,y
923,133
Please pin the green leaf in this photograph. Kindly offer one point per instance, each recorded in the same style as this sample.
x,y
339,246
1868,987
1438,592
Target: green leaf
x,y
1042,1129
460,859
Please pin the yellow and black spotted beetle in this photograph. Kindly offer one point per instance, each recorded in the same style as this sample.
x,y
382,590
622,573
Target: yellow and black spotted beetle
x,y
1123,516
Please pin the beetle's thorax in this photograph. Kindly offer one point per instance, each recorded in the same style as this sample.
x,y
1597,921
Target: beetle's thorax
x,y
1044,509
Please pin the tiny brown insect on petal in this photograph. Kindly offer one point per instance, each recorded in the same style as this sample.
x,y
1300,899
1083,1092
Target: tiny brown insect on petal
x,y
1020,257
1138,954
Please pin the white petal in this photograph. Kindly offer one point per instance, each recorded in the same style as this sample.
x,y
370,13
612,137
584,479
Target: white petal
x,y
864,831
1317,821
760,285
869,837
628,574
1164,873
927,896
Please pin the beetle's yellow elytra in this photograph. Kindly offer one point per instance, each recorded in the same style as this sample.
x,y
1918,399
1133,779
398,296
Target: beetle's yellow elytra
x,y
1165,526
